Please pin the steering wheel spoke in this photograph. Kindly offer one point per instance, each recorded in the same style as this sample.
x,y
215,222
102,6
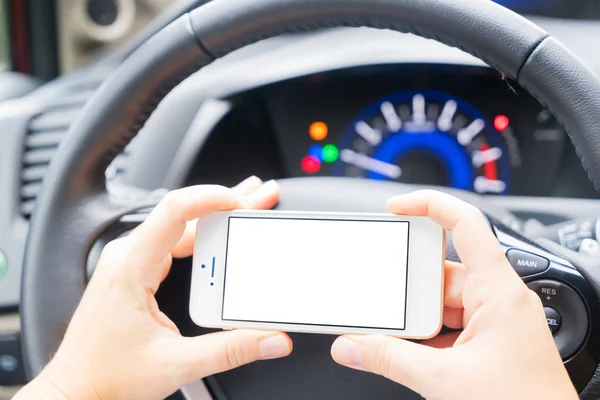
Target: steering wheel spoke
x,y
126,207
115,230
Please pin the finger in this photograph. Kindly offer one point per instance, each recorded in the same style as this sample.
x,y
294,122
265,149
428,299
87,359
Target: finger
x,y
257,197
217,352
120,258
263,198
248,185
154,239
473,239
453,317
185,246
407,363
454,283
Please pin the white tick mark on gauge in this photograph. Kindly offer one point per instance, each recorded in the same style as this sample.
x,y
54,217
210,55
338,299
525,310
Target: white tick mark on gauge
x,y
419,117
484,185
466,135
445,120
393,121
371,135
351,157
490,155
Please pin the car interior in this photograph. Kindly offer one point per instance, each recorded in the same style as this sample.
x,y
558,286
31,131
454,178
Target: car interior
x,y
105,105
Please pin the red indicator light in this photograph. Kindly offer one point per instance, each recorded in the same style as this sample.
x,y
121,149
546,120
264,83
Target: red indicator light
x,y
501,122
310,165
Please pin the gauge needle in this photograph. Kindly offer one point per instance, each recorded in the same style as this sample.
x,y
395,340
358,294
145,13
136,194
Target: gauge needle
x,y
391,171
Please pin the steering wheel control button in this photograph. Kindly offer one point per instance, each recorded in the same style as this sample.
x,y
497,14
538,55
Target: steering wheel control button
x,y
571,235
590,247
8,363
553,319
12,372
568,311
526,263
3,264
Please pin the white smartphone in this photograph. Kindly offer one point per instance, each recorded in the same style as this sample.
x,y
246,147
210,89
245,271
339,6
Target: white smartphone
x,y
333,273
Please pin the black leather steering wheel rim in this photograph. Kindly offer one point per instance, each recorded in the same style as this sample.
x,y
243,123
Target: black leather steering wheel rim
x,y
75,204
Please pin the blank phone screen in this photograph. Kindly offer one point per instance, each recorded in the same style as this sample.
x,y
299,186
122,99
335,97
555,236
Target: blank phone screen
x,y
347,273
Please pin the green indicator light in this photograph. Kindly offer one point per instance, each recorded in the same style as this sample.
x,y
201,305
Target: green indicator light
x,y
330,153
3,264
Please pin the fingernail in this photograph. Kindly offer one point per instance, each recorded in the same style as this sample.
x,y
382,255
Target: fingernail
x,y
347,352
274,347
395,199
271,185
250,181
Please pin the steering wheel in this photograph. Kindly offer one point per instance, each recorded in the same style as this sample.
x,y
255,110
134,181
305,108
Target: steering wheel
x,y
76,207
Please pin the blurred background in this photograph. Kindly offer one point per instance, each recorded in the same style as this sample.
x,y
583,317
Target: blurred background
x,y
46,38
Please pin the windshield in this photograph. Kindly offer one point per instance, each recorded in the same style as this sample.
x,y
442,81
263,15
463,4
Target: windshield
x,y
4,52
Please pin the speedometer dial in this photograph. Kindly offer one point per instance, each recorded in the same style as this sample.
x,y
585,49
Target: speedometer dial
x,y
427,137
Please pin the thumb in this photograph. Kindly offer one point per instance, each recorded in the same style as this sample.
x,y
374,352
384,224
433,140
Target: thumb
x,y
407,363
210,354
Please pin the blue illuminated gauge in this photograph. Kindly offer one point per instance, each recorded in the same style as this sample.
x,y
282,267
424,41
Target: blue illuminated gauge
x,y
427,137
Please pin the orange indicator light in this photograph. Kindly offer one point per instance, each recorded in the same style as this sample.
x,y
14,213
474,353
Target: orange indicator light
x,y
318,130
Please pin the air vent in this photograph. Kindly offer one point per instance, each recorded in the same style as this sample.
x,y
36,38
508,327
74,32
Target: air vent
x,y
44,134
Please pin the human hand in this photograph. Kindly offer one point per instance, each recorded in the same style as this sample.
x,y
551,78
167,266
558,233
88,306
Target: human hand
x,y
505,351
119,344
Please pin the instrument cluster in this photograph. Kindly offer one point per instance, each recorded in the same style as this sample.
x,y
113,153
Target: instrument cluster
x,y
459,126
